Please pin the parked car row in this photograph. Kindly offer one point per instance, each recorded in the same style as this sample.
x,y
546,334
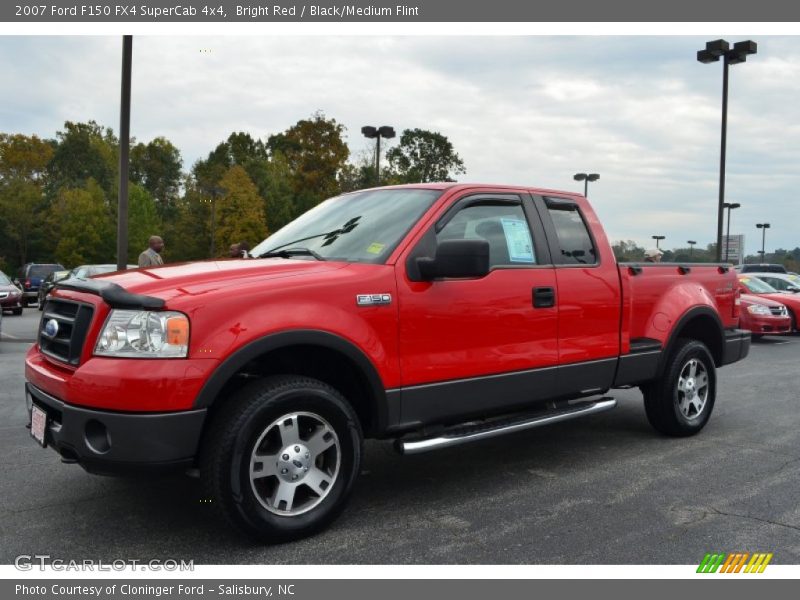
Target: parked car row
x,y
770,302
36,280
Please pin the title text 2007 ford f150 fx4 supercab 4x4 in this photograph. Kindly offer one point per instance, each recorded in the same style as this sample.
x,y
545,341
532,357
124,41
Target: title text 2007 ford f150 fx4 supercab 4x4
x,y
431,314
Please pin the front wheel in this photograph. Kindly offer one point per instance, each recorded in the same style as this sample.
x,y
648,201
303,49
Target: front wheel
x,y
680,402
281,457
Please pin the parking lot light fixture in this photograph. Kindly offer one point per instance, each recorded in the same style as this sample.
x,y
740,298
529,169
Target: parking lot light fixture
x,y
658,238
763,227
586,178
691,247
730,206
713,52
377,133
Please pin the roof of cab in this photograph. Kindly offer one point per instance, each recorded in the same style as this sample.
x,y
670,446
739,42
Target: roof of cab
x,y
446,185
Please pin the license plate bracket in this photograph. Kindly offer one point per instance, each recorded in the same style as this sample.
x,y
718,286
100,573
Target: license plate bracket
x,y
38,425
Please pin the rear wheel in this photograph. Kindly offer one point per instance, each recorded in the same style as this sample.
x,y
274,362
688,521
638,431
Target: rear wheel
x,y
280,459
680,402
17,311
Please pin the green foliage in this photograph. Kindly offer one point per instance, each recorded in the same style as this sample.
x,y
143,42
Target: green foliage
x,y
315,154
23,157
23,163
188,236
240,212
84,151
20,210
143,221
156,167
424,156
628,251
274,182
80,221
58,197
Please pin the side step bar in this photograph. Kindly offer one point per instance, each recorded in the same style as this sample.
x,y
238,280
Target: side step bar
x,y
482,431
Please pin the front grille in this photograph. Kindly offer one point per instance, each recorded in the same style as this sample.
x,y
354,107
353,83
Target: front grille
x,y
778,311
72,320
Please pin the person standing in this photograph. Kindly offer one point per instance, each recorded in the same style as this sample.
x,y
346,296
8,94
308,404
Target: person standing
x,y
653,255
152,256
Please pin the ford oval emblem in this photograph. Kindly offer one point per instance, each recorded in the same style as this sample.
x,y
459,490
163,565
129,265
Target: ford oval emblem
x,y
51,329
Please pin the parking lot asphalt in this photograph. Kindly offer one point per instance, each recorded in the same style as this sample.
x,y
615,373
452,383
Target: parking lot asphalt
x,y
601,490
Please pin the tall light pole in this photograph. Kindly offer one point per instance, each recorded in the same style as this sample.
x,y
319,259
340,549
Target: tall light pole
x,y
691,247
658,238
763,227
385,132
731,56
124,151
730,206
586,178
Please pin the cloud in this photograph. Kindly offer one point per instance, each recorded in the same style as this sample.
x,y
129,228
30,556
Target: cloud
x,y
525,110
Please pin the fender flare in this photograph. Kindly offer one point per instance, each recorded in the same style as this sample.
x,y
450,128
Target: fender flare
x,y
299,337
692,313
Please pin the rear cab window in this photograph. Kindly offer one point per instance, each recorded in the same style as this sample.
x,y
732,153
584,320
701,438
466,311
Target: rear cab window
x,y
576,246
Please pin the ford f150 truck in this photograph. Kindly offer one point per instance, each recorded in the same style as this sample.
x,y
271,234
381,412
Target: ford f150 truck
x,y
430,314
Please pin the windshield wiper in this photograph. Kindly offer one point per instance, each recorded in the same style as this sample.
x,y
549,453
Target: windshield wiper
x,y
330,237
290,252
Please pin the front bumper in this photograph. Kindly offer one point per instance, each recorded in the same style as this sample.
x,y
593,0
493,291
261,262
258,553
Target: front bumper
x,y
737,346
106,442
10,302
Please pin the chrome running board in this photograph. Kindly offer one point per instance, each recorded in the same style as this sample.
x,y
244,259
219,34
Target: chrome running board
x,y
481,431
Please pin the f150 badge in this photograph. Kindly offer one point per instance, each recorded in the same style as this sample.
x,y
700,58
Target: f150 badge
x,y
373,299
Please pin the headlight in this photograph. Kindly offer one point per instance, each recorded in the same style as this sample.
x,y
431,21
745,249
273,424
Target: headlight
x,y
758,309
144,334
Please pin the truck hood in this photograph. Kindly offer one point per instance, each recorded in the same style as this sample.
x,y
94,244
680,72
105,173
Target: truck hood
x,y
197,278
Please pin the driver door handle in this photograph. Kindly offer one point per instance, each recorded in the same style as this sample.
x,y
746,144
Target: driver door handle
x,y
544,297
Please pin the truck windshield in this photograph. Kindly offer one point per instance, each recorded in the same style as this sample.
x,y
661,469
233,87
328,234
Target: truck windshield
x,y
360,227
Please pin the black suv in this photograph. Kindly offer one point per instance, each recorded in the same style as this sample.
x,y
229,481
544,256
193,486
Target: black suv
x,y
30,277
762,268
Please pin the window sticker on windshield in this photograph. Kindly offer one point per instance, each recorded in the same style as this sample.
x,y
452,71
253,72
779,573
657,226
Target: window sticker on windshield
x,y
518,240
744,279
375,248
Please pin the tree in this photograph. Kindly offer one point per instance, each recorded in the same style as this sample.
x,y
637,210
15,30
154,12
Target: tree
x,y
23,158
240,212
143,220
81,223
156,166
274,182
628,251
23,164
424,156
20,214
188,236
84,151
315,154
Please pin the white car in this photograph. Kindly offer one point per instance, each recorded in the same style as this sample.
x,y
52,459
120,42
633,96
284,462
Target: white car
x,y
780,281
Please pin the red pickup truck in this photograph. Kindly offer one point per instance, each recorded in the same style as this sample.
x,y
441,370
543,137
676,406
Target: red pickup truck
x,y
430,314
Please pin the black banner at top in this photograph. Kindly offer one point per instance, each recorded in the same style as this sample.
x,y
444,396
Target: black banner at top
x,y
353,11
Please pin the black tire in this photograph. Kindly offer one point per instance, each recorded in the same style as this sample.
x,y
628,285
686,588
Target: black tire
x,y
242,422
756,336
17,311
663,398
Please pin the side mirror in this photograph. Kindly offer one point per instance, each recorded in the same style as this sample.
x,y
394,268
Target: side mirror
x,y
456,258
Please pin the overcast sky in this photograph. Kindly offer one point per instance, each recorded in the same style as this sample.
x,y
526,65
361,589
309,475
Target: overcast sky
x,y
523,110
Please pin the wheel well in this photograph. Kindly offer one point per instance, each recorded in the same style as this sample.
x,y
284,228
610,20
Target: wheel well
x,y
706,329
325,364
